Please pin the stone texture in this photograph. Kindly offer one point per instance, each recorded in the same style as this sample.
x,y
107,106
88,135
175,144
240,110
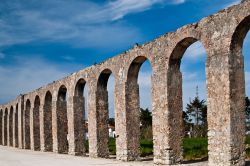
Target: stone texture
x,y
59,125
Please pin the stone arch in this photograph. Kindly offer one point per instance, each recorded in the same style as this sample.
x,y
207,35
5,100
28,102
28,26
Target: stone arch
x,y
16,126
79,117
239,36
102,107
175,97
1,127
133,106
11,126
47,122
5,132
27,124
36,123
237,77
62,120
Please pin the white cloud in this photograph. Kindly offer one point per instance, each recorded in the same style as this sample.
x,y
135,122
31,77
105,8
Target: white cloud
x,y
120,8
26,75
80,23
195,51
235,2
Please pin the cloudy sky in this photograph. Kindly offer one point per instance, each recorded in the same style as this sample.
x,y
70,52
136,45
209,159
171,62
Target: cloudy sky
x,y
42,41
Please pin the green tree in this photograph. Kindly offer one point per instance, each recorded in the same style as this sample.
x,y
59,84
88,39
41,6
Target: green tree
x,y
111,121
197,113
145,118
247,109
146,124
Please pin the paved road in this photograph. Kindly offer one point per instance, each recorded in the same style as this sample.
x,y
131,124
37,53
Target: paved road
x,y
18,157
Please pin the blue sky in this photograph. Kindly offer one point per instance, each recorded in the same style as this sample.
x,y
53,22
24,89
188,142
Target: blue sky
x,y
42,41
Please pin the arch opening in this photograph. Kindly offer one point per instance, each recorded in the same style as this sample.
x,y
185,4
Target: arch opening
x,y
16,127
80,118
139,106
11,126
36,123
240,52
62,120
27,124
47,122
187,91
105,114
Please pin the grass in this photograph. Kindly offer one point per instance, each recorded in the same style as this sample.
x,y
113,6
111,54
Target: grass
x,y
146,147
248,147
194,148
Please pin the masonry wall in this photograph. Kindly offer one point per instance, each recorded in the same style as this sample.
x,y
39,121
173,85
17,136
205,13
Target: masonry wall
x,y
61,122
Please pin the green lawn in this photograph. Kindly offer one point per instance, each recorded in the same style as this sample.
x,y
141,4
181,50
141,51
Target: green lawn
x,y
194,148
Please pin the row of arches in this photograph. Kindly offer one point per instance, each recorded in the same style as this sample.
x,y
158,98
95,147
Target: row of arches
x,y
49,126
9,126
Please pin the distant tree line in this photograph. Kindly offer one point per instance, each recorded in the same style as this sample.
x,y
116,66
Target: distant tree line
x,y
194,119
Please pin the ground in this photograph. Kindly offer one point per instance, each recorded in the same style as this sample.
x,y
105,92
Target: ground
x,y
18,157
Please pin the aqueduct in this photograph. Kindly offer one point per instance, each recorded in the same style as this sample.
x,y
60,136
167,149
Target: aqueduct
x,y
51,118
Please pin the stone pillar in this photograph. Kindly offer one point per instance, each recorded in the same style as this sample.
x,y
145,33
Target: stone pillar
x,y
15,128
167,115
32,147
133,120
62,130
76,112
46,129
5,129
54,126
121,122
26,128
20,123
92,123
98,126
102,123
36,125
226,104
10,119
8,129
42,134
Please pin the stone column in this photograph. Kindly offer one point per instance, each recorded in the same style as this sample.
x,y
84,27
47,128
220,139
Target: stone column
x,y
8,128
121,122
102,123
5,133
92,123
42,134
13,128
36,125
54,126
16,129
26,127
133,120
226,104
32,147
76,112
167,115
20,123
62,124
